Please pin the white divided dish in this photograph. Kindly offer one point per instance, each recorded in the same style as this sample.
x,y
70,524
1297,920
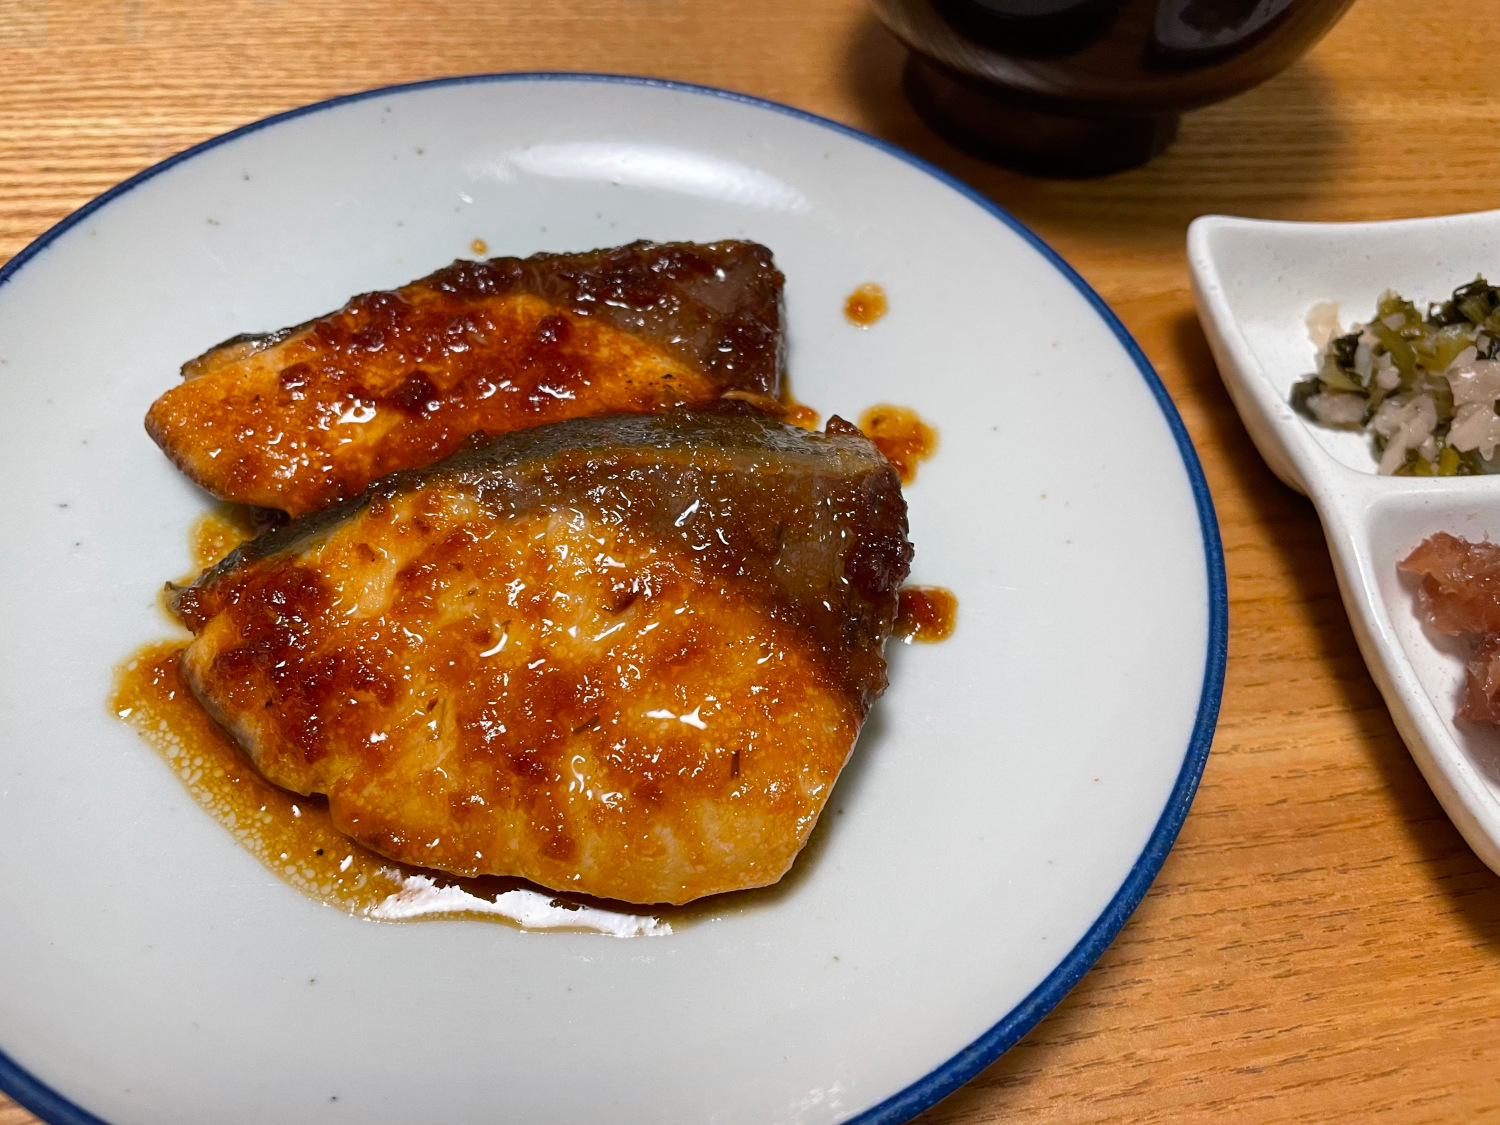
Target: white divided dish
x,y
1255,282
1008,804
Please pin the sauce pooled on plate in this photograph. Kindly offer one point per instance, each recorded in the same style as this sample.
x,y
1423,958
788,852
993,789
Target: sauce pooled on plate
x,y
926,614
898,433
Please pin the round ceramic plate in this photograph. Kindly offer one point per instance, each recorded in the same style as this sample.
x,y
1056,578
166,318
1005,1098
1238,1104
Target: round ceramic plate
x,y
1009,802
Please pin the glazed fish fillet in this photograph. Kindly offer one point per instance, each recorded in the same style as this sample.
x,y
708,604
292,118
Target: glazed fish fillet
x,y
308,416
625,656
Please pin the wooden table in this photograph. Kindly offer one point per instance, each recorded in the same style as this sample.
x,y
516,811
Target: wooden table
x,y
1321,945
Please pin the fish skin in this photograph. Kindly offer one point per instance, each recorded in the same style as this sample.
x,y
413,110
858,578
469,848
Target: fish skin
x,y
304,417
623,656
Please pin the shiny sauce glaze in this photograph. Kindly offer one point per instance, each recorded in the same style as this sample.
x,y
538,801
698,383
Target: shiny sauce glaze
x,y
568,691
866,305
926,614
299,419
294,836
903,437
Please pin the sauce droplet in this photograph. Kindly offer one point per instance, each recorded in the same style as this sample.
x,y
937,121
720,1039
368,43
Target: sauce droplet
x,y
799,413
803,416
480,247
866,305
898,433
926,614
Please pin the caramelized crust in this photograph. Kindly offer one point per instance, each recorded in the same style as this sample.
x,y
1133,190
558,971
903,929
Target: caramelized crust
x,y
308,416
624,656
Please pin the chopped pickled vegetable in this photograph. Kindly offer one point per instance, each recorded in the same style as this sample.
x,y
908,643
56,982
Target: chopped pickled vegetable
x,y
1427,388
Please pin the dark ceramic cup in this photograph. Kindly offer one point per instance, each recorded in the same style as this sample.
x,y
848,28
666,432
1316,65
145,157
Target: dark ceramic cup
x,y
1085,87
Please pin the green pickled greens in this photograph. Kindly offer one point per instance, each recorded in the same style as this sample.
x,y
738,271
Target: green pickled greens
x,y
1397,377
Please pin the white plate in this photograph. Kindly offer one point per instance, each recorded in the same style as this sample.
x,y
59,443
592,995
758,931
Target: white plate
x,y
1013,795
1255,282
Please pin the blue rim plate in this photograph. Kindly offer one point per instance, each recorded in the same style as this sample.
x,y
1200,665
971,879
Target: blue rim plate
x,y
1211,625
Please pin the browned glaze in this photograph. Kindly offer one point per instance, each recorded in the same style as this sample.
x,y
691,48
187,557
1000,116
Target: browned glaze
x,y
866,305
625,655
308,416
295,837
926,614
479,247
904,438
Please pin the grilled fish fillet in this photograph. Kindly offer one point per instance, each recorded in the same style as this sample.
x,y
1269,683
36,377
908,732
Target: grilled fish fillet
x,y
624,656
305,417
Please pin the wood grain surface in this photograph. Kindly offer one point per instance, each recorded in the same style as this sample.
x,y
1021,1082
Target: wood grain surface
x,y
1321,946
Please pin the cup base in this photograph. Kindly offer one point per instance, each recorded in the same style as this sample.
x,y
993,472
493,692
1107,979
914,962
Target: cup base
x,y
1041,142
